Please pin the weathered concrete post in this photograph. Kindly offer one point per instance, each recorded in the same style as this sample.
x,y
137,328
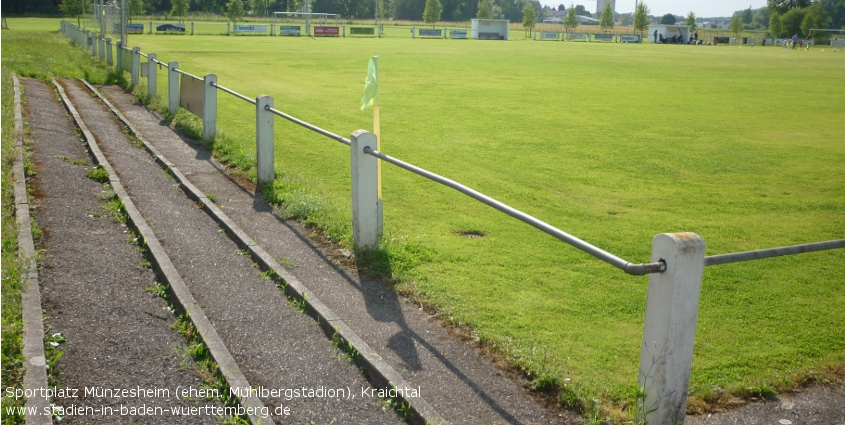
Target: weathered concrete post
x,y
670,319
152,78
109,57
366,217
172,87
209,108
92,40
264,130
119,50
136,66
101,45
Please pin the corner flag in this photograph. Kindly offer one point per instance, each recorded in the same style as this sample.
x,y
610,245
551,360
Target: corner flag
x,y
371,99
371,85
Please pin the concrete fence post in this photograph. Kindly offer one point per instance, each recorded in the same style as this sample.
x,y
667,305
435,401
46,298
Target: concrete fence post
x,y
192,28
92,39
109,57
366,217
172,87
119,50
136,66
209,108
670,320
264,138
152,78
228,28
101,44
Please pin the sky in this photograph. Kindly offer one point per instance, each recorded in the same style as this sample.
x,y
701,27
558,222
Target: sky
x,y
701,8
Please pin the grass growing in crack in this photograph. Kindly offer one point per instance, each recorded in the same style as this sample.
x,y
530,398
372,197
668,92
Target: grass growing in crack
x,y
402,408
208,369
211,197
298,304
73,161
99,174
12,265
53,353
159,289
349,351
114,206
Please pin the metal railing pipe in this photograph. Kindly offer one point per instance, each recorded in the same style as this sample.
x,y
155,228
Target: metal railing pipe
x,y
626,266
234,93
760,254
179,71
311,127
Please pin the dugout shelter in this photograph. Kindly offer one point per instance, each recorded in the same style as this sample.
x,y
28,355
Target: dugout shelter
x,y
490,29
669,31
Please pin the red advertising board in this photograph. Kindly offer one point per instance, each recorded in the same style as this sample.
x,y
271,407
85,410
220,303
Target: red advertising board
x,y
326,31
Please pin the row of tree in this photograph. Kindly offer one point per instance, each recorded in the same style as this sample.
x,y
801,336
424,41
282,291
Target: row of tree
x,y
788,17
780,17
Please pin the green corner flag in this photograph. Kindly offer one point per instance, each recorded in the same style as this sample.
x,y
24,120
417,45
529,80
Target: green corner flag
x,y
371,99
371,85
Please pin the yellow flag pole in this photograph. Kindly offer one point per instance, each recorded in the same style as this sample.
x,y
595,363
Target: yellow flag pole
x,y
377,129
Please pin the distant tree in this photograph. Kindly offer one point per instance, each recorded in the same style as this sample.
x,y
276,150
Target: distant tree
x,y
626,20
816,17
235,10
485,10
497,11
73,9
761,18
641,20
782,6
606,21
581,10
836,13
668,19
529,17
747,16
561,8
775,28
791,22
539,10
179,9
136,8
433,10
736,24
570,22
690,21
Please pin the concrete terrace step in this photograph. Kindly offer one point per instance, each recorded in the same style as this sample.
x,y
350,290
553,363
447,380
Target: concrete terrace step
x,y
117,335
460,385
273,347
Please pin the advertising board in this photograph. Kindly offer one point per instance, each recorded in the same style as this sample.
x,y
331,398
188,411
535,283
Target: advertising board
x,y
170,28
290,30
362,31
429,32
457,33
255,29
321,31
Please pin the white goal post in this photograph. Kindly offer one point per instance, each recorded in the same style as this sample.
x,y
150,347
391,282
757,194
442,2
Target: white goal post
x,y
322,17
